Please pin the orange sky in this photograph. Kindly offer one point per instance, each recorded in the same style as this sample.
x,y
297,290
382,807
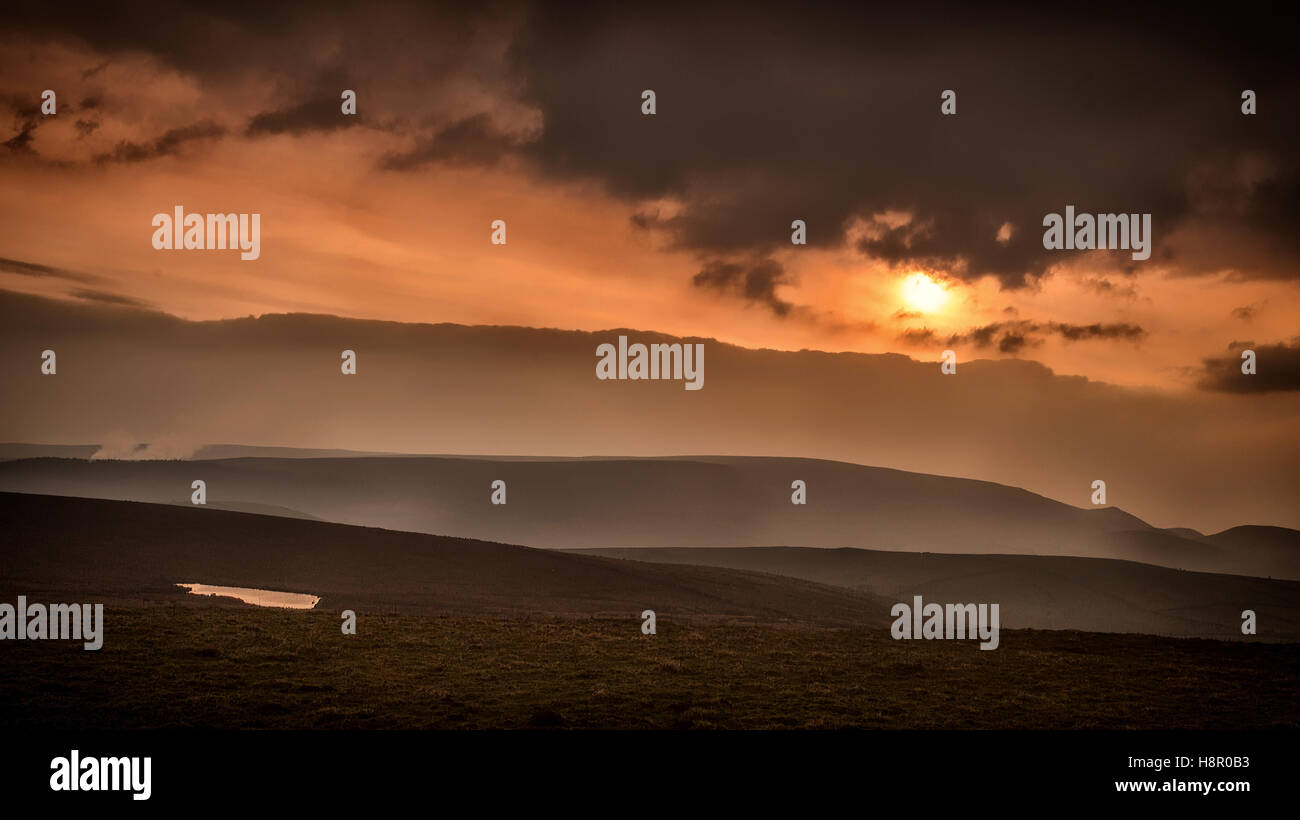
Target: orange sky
x,y
341,236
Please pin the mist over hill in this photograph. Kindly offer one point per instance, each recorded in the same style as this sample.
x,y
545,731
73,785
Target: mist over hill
x,y
126,376
696,501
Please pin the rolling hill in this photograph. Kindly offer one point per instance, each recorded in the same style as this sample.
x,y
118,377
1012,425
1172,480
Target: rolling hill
x,y
1037,592
695,501
134,553
70,549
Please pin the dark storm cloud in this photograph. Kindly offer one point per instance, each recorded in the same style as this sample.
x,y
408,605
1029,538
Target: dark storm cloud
x,y
314,104
276,40
471,141
324,114
166,145
1277,369
192,36
755,282
773,112
770,115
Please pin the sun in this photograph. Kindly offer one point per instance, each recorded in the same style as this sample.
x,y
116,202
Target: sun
x,y
922,293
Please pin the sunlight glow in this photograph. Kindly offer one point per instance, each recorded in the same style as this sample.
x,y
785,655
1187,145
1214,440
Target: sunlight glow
x,y
922,293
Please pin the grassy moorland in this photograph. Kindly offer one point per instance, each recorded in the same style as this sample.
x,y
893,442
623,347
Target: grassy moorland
x,y
217,666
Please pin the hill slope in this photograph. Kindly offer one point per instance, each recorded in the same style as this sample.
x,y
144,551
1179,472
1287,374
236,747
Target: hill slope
x,y
56,547
1038,592
666,502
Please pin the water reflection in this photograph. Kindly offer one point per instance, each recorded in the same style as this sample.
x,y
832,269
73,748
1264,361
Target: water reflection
x,y
257,597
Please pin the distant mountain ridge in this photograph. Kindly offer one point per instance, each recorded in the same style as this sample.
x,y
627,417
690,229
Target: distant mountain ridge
x,y
694,501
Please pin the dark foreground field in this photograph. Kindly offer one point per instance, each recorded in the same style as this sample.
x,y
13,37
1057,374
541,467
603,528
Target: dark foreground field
x,y
166,666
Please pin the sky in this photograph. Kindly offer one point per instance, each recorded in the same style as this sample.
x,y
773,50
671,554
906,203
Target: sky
x,y
680,221
924,230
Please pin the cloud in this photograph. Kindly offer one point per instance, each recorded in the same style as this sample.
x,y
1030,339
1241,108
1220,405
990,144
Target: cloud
x,y
117,445
86,127
1105,287
26,119
166,145
323,114
1012,337
93,70
104,297
1277,369
107,298
782,113
34,269
918,337
755,282
1097,330
1012,342
470,141
122,446
21,142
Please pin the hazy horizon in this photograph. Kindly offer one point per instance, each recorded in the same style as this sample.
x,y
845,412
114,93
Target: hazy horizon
x,y
1207,461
